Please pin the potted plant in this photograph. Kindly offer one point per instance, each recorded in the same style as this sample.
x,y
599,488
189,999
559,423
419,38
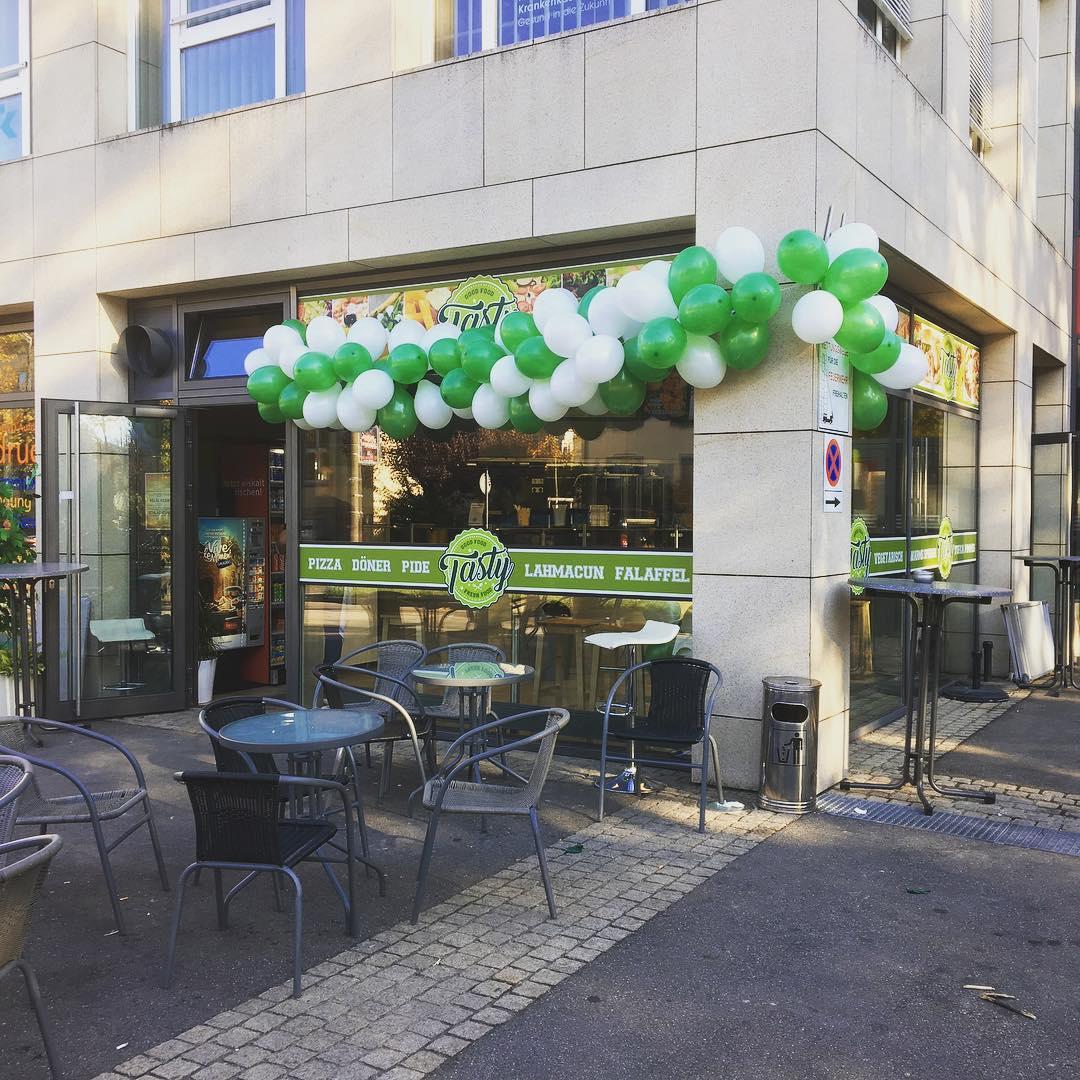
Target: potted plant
x,y
207,648
15,547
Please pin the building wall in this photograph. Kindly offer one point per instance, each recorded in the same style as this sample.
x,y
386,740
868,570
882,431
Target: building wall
x,y
765,113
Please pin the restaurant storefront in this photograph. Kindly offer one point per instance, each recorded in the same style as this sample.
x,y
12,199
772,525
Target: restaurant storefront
x,y
915,506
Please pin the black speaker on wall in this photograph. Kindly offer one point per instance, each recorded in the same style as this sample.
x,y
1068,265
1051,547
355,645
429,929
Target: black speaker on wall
x,y
146,351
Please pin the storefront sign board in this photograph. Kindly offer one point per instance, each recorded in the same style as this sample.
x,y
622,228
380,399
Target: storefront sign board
x,y
952,364
665,575
880,555
834,389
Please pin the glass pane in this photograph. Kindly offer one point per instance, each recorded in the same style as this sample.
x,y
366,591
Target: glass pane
x,y
17,362
11,120
294,47
216,342
528,20
202,5
224,358
224,74
125,506
149,63
9,33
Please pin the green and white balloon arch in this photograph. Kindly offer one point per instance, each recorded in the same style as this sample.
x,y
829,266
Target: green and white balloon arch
x,y
703,313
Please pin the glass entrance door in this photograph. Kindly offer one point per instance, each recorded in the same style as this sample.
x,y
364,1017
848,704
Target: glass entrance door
x,y
113,490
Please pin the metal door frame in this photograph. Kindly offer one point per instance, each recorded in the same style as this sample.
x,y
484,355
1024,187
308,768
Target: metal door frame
x,y
122,705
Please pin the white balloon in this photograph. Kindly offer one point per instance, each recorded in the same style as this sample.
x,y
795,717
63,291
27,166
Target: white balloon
x,y
738,251
701,364
657,269
258,358
595,405
370,333
320,407
887,309
303,425
552,302
431,410
816,317
407,332
599,359
569,387
439,331
643,297
336,425
564,334
506,380
289,355
325,335
353,415
464,414
278,337
544,403
908,371
606,316
490,409
373,388
853,235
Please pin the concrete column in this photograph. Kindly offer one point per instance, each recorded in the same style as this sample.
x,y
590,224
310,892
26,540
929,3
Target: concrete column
x,y
1054,187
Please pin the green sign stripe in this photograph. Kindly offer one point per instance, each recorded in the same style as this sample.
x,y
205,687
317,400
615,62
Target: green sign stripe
x,y
888,554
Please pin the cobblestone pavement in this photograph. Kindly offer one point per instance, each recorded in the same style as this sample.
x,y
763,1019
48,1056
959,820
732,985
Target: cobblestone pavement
x,y
879,756
397,1005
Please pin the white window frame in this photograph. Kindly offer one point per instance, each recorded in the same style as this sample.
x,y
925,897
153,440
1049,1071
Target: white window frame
x,y
15,78
489,21
183,36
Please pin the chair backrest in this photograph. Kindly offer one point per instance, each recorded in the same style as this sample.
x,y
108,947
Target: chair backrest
x,y
236,816
16,775
463,652
396,659
14,740
20,883
224,711
681,695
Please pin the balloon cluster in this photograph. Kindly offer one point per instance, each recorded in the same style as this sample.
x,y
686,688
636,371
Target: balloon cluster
x,y
846,307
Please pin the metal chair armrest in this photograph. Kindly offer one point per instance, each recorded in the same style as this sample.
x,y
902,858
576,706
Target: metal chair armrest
x,y
41,763
97,736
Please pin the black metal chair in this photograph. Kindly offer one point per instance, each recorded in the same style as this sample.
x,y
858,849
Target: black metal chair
x,y
239,826
224,711
444,793
16,774
681,697
86,807
20,883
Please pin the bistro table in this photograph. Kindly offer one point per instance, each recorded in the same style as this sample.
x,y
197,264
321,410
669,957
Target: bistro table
x,y
928,600
304,735
1066,571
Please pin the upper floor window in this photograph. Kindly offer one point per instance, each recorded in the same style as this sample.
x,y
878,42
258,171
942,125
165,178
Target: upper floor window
x,y
888,21
981,75
14,79
196,57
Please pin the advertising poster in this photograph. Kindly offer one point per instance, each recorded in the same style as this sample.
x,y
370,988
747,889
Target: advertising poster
x,y
157,500
953,364
221,573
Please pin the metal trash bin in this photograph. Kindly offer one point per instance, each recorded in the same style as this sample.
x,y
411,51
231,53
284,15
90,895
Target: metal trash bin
x,y
788,779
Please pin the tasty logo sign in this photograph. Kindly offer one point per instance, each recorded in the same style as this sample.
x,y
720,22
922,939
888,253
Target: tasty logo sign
x,y
476,567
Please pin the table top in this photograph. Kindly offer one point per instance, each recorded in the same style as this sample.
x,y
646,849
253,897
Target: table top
x,y
1068,560
36,571
949,590
472,673
300,730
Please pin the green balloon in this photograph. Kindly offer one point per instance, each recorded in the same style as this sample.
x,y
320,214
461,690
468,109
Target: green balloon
x,y
522,417
516,327
488,330
743,345
881,359
705,309
270,412
624,394
479,357
457,389
397,418
585,302
755,297
869,402
351,359
693,266
661,342
803,257
291,401
633,363
856,275
299,327
266,383
862,330
535,360
314,371
408,364
445,355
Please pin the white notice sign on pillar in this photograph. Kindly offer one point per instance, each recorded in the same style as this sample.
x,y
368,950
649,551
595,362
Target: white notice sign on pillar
x,y
834,389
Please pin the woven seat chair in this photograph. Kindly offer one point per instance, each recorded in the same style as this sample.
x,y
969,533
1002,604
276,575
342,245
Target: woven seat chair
x,y
85,807
21,877
224,711
459,652
16,774
445,793
239,826
682,692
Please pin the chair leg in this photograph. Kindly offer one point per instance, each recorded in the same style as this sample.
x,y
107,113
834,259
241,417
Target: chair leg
x,y
174,930
110,880
34,993
542,859
219,898
603,771
704,770
152,826
715,751
298,930
387,765
425,863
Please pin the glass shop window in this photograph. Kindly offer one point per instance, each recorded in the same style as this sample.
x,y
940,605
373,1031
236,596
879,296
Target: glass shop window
x,y
217,341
